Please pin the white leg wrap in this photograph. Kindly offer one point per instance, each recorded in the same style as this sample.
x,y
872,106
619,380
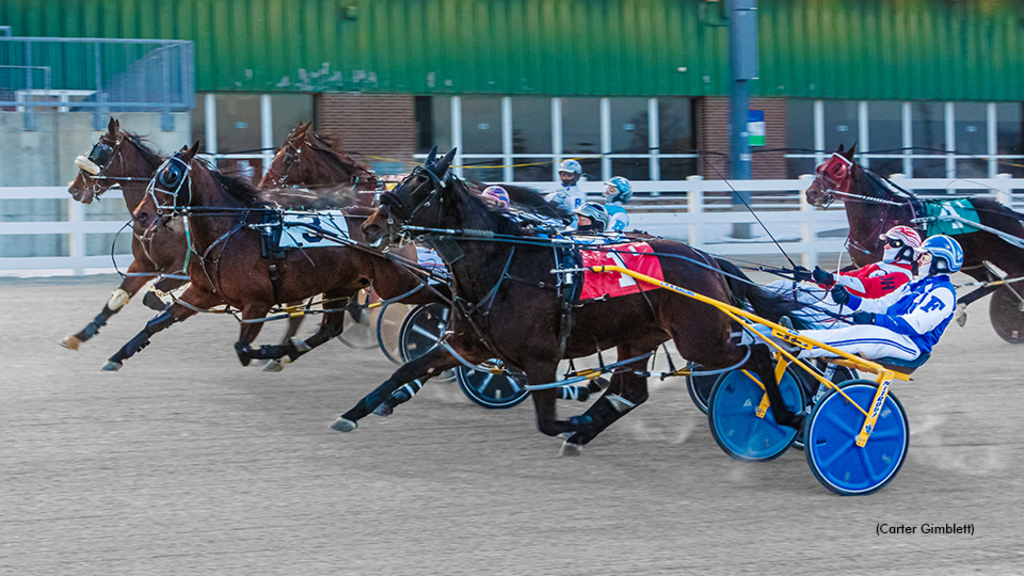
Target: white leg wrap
x,y
118,298
619,403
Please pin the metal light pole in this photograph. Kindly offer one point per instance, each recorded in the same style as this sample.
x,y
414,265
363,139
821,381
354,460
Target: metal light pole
x,y
743,65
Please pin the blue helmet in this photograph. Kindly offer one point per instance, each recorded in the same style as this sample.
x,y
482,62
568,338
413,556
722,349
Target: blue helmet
x,y
946,252
570,166
624,190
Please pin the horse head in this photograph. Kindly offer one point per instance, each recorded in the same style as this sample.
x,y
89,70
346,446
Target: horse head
x,y
109,162
308,159
286,160
416,201
169,190
833,175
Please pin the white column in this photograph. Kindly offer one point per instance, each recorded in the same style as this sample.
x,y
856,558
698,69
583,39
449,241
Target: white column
x,y
695,205
1004,195
950,140
862,131
266,131
457,134
506,138
211,124
993,140
808,232
908,139
606,138
556,135
819,132
653,140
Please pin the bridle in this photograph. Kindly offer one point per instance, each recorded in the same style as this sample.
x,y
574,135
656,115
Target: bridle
x,y
169,179
99,160
398,209
289,161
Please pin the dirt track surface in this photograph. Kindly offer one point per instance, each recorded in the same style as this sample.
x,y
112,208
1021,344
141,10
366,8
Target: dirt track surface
x,y
186,463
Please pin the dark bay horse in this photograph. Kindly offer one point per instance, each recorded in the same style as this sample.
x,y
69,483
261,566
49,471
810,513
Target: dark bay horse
x,y
873,205
228,265
507,305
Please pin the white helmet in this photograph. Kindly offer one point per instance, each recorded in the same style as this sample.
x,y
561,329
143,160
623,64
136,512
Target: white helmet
x,y
571,166
597,214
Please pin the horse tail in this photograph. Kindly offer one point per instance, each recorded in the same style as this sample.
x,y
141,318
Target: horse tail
x,y
765,303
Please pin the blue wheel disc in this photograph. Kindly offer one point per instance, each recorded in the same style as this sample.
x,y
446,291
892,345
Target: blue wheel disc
x,y
830,441
494,391
734,421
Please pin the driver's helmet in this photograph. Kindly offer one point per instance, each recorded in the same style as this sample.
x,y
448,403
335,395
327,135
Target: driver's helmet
x,y
497,193
597,214
905,244
947,255
622,191
571,166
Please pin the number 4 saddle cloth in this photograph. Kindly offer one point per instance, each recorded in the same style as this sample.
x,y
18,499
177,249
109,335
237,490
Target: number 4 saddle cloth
x,y
636,256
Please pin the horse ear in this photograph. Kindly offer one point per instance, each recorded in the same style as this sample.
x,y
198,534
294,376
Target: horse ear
x,y
113,126
431,158
851,152
444,163
191,153
840,151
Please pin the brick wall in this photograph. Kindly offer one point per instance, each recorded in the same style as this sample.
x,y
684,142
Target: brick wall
x,y
369,124
713,138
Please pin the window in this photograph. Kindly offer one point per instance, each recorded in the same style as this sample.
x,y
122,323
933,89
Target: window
x,y
928,126
841,124
629,134
885,136
481,125
676,135
1010,137
799,137
970,130
238,123
288,111
531,127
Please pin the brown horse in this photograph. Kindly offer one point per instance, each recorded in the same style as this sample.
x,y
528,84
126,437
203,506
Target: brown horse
x,y
226,220
874,204
509,305
122,158
309,170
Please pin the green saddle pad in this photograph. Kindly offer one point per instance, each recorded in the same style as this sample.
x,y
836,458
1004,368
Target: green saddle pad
x,y
951,217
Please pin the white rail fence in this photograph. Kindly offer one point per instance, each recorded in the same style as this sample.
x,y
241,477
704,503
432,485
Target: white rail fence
x,y
695,211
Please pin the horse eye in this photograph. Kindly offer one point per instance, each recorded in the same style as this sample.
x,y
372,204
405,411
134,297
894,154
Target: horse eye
x,y
169,177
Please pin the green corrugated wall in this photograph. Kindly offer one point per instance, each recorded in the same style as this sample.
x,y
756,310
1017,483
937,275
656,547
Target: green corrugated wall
x,y
851,49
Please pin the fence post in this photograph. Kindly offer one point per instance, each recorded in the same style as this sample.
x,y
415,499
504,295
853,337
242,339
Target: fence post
x,y
76,241
808,231
1003,193
695,205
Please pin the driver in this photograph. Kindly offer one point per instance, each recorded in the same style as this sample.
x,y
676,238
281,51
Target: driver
x,y
905,323
569,196
593,219
618,192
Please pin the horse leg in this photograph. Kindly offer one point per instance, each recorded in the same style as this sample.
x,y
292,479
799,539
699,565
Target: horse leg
x,y
541,372
762,363
174,313
433,362
626,391
250,330
294,322
153,297
398,397
331,326
129,286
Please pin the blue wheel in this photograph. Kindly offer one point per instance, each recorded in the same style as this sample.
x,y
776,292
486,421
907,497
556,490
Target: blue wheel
x,y
831,431
735,424
494,391
834,373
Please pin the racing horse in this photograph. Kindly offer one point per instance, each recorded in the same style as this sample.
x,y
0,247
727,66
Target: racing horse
x,y
309,169
122,158
874,204
507,305
226,222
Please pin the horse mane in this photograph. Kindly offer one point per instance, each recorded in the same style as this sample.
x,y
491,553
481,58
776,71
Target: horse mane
x,y
887,186
530,199
502,221
145,149
239,188
331,146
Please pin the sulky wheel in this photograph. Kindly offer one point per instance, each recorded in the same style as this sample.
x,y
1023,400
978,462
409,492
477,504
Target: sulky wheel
x,y
421,330
389,324
734,421
492,390
700,386
832,452
1007,313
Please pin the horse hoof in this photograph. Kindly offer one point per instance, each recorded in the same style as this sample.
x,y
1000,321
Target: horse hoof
x,y
111,366
344,425
383,409
570,449
961,315
71,343
273,366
